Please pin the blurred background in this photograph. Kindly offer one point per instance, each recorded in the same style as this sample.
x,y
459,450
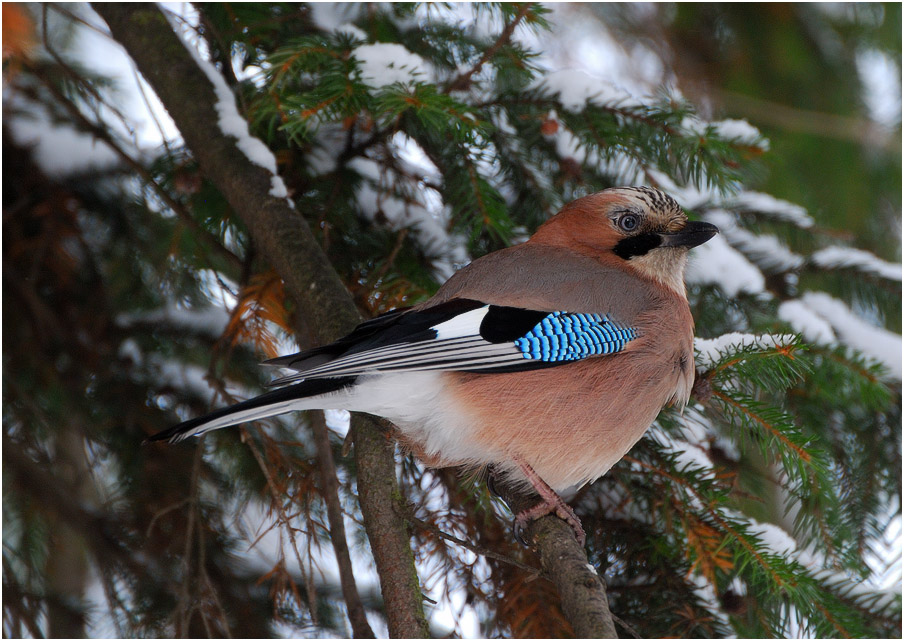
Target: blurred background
x,y
134,297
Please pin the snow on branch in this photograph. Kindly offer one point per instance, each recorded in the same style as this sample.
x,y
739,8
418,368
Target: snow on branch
x,y
387,63
760,203
711,350
718,263
232,123
837,257
576,89
779,542
737,131
811,326
765,249
875,342
211,321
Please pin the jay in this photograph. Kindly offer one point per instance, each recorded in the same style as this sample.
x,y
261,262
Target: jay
x,y
545,361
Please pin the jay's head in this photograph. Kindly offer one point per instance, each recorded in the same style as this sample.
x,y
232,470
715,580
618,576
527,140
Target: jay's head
x,y
638,228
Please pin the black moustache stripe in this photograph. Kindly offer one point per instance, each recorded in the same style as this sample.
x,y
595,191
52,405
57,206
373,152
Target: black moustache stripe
x,y
638,245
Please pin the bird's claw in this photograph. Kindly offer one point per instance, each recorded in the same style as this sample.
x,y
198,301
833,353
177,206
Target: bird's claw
x,y
559,508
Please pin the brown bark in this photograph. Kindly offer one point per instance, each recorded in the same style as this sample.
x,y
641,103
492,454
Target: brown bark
x,y
67,560
286,240
329,488
581,590
377,487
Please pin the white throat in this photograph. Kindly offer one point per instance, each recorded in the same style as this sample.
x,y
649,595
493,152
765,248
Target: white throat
x,y
664,265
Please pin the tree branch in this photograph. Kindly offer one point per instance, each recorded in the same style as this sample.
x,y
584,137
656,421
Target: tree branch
x,y
581,589
463,81
857,130
285,239
329,489
102,133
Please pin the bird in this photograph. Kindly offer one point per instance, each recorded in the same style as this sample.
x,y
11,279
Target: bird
x,y
544,362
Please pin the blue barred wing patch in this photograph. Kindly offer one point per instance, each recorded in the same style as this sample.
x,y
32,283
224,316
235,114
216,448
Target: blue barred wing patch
x,y
561,336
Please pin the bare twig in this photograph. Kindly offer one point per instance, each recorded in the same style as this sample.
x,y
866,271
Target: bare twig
x,y
283,518
463,81
477,549
184,607
329,489
400,240
627,627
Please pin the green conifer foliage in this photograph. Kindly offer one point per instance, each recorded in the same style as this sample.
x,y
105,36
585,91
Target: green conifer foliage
x,y
412,139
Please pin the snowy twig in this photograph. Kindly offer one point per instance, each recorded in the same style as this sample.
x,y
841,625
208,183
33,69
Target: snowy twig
x,y
463,81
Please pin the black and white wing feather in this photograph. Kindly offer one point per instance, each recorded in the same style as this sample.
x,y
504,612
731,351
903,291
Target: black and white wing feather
x,y
461,335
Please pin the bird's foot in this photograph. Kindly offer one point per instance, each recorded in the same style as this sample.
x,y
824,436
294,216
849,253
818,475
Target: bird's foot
x,y
551,503
556,506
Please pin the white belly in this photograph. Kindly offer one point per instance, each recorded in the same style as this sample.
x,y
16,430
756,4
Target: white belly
x,y
418,405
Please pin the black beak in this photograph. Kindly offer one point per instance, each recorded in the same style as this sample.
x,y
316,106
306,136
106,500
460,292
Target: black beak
x,y
694,233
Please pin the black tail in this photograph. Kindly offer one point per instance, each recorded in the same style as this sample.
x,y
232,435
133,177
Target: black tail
x,y
269,404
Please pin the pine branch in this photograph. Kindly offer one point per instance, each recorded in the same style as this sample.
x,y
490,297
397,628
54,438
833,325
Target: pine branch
x,y
287,241
581,589
103,133
463,81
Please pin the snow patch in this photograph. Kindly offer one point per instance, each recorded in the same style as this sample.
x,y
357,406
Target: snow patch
x,y
576,89
808,323
350,29
765,250
210,320
60,151
711,350
718,263
333,16
386,63
740,131
783,544
770,205
875,342
881,80
840,257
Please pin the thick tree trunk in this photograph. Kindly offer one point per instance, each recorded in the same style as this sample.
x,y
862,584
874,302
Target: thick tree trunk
x,y
285,239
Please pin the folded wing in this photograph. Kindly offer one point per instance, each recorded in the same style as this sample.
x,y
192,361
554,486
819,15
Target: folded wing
x,y
458,335
461,335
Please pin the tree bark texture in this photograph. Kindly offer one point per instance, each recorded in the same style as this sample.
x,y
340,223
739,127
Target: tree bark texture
x,y
581,590
329,488
285,238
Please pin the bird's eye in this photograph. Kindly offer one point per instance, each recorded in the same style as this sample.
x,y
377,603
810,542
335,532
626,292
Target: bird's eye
x,y
629,222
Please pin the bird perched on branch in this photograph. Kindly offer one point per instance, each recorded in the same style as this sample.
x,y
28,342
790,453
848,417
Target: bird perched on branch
x,y
546,361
